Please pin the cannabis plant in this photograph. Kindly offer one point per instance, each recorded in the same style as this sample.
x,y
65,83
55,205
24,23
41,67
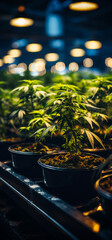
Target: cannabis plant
x,y
99,89
5,108
29,93
72,115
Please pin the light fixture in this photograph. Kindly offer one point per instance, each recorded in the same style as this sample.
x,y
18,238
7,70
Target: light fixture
x,y
108,62
77,52
39,66
22,66
8,59
60,66
1,62
93,44
51,57
42,60
12,68
15,52
73,66
34,47
88,62
83,6
53,70
21,20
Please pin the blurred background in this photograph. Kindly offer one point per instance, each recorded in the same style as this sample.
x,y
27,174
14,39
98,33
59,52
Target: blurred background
x,y
55,36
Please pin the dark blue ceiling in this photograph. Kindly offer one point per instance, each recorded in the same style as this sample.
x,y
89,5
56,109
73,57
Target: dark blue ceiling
x,y
74,29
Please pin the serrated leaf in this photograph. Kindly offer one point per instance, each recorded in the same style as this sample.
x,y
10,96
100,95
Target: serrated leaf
x,y
98,139
90,137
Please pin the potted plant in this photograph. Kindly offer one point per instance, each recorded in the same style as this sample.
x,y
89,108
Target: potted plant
x,y
71,116
8,134
25,156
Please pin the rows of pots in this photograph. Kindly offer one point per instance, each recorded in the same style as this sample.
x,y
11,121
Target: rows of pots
x,y
85,182
78,113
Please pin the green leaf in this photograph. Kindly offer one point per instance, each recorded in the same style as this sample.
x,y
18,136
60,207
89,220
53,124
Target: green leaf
x,y
108,131
90,137
98,139
21,113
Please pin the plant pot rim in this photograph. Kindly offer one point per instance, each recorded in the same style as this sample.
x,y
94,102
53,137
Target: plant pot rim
x,y
10,149
65,168
96,149
4,140
102,191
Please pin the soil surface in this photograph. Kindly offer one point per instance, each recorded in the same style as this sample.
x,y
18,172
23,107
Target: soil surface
x,y
106,184
34,147
73,161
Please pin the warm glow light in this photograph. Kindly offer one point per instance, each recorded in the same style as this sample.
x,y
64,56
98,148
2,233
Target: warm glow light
x,y
36,69
39,66
1,62
21,22
34,47
77,52
21,8
22,66
108,62
32,67
88,62
53,69
40,60
93,44
83,6
73,66
96,227
12,68
60,66
8,59
51,57
14,52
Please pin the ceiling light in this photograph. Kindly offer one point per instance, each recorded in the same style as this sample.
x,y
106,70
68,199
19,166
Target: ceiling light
x,y
73,66
21,22
21,19
12,68
34,47
14,52
42,60
1,62
60,66
93,44
83,6
8,59
108,62
53,70
77,52
23,66
88,62
51,57
39,66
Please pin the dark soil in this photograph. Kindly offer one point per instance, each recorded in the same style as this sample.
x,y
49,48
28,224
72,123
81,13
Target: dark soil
x,y
106,184
34,147
73,161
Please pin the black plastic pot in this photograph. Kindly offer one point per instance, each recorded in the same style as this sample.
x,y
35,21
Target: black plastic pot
x,y
27,160
78,180
4,145
106,197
